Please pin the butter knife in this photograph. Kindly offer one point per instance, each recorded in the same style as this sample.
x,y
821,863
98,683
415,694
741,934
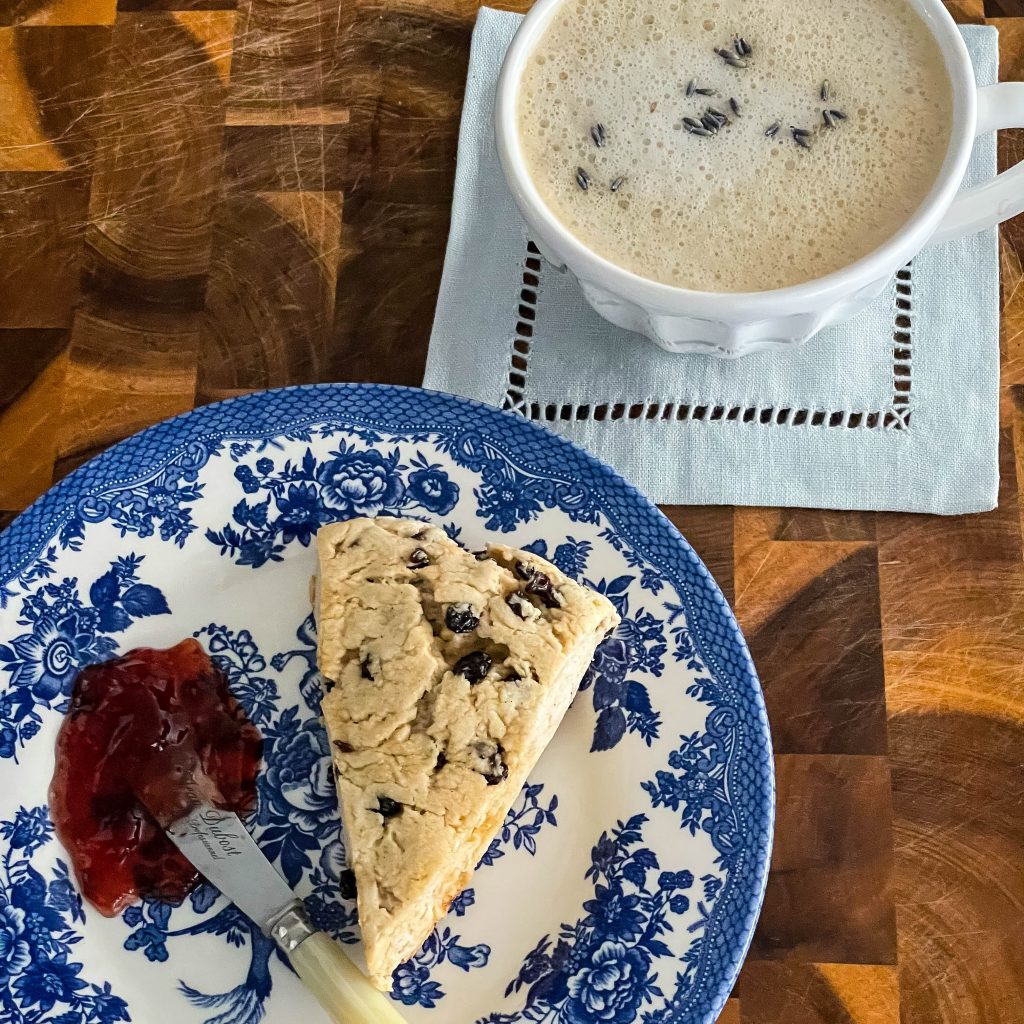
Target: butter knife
x,y
219,846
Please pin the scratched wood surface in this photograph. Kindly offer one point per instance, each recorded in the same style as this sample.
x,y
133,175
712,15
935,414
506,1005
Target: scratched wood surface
x,y
200,198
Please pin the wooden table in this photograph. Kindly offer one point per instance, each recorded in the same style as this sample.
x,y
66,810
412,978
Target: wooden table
x,y
198,199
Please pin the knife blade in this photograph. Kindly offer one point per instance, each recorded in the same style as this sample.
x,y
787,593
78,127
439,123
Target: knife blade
x,y
220,847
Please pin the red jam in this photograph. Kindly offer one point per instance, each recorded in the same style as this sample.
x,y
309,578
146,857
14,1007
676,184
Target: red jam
x,y
146,722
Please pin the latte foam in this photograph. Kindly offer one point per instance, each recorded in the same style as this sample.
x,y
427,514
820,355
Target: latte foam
x,y
736,210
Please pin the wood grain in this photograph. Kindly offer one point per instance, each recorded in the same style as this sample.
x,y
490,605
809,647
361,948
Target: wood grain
x,y
805,993
203,197
829,896
270,291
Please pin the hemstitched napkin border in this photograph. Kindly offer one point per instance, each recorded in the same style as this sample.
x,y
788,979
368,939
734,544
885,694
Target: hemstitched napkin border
x,y
895,409
896,416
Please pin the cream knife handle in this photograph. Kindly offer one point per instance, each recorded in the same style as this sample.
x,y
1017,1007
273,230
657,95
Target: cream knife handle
x,y
339,985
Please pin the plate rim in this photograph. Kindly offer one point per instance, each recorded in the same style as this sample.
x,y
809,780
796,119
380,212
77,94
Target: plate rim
x,y
28,534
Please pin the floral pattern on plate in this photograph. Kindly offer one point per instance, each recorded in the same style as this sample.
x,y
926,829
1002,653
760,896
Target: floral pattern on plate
x,y
203,526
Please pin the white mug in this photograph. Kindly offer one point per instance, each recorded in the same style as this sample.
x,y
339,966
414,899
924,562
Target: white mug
x,y
734,324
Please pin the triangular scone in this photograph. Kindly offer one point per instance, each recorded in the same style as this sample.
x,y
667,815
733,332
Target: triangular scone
x,y
447,674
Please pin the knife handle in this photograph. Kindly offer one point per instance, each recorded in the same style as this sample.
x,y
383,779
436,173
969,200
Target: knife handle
x,y
327,972
339,985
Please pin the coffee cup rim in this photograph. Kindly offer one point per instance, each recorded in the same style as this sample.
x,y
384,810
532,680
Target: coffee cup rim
x,y
885,259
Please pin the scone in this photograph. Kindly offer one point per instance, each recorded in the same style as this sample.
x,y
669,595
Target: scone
x,y
447,674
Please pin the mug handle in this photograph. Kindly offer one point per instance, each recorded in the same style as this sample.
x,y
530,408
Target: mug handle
x,y
999,106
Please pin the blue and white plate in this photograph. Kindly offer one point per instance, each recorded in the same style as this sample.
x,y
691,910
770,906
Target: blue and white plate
x,y
626,881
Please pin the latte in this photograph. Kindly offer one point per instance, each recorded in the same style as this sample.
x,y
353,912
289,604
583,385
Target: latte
x,y
734,145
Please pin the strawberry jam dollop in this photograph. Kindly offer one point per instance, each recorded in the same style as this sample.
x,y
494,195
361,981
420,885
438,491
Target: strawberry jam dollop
x,y
153,722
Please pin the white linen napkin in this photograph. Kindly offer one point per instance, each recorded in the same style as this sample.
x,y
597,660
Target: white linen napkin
x,y
894,409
